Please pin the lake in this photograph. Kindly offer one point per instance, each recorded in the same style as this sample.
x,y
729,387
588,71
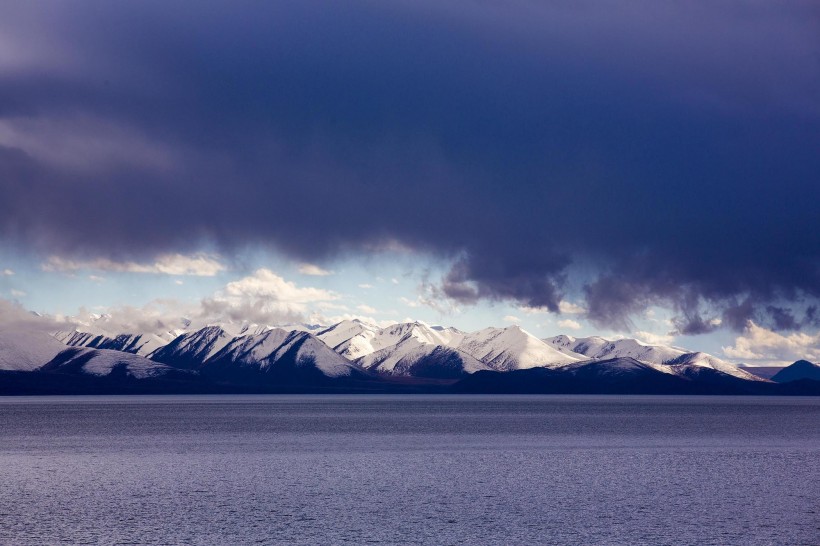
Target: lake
x,y
409,469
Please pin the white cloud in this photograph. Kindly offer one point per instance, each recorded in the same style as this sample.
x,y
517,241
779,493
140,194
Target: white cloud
x,y
201,265
511,318
565,307
17,293
96,278
265,297
179,282
654,339
394,280
264,283
8,272
262,298
313,270
13,316
159,316
569,308
365,286
569,324
765,346
332,306
367,309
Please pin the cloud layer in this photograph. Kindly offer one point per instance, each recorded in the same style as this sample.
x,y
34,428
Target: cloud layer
x,y
664,152
262,297
758,344
200,265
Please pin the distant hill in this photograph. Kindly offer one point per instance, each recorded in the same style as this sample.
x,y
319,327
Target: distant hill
x,y
802,369
763,372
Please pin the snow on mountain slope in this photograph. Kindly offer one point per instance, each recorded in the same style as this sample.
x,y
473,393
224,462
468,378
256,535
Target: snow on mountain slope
x,y
308,349
414,357
632,348
703,360
350,338
254,347
141,344
104,362
411,349
563,343
512,348
192,349
355,339
404,349
277,349
26,350
244,328
616,367
417,330
452,336
599,348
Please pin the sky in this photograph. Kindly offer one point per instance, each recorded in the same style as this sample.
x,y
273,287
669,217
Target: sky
x,y
643,169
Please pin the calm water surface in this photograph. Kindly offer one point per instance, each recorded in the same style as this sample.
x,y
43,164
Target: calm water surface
x,y
419,469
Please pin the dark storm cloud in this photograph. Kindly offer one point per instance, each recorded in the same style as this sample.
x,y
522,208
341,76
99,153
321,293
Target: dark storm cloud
x,y
673,144
812,318
738,315
782,318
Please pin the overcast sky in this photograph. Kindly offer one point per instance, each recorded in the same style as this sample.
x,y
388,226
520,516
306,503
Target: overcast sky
x,y
634,168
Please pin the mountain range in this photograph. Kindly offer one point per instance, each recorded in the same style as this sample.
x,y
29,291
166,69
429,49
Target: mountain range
x,y
356,356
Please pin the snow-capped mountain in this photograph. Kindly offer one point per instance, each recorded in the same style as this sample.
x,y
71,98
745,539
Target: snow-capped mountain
x,y
192,349
278,353
105,362
421,332
351,338
599,348
140,344
244,328
414,358
258,349
356,356
407,350
453,336
26,350
623,375
512,348
393,350
703,360
100,331
411,358
619,367
411,349
253,348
